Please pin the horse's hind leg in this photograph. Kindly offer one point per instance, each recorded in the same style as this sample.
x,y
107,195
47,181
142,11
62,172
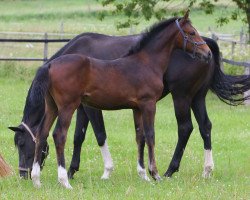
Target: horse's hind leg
x,y
185,127
80,131
205,126
41,137
147,110
59,136
96,119
140,139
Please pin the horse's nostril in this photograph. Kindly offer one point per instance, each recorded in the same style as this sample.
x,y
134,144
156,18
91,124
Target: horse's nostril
x,y
209,54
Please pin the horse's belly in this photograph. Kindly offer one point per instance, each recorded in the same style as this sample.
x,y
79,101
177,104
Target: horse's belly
x,y
107,102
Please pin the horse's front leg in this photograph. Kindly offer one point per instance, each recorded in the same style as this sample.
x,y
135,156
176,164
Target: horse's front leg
x,y
59,136
205,126
148,116
80,132
41,137
140,139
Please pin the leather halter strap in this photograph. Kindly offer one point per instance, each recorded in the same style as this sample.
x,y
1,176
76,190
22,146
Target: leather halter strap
x,y
29,131
186,39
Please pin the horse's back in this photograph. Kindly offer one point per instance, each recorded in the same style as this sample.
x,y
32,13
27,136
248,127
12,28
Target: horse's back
x,y
67,72
99,45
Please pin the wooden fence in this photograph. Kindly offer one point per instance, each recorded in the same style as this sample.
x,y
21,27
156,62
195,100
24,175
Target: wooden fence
x,y
46,41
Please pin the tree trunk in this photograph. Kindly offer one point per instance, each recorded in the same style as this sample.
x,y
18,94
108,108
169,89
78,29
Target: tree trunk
x,y
248,20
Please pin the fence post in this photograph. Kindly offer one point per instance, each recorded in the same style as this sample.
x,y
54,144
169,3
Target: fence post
x,y
45,52
241,39
131,30
233,47
247,93
62,29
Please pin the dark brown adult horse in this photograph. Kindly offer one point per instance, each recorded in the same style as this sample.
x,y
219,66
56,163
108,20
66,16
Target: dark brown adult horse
x,y
73,79
185,77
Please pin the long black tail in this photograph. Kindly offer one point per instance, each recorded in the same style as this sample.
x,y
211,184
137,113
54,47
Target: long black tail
x,y
230,89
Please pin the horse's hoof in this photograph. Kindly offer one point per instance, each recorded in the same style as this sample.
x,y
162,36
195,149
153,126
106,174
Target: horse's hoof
x,y
71,174
157,177
144,176
207,171
65,183
67,186
36,182
107,172
142,173
167,175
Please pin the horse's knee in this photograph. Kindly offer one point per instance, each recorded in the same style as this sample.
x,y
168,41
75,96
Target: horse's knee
x,y
59,139
208,126
79,138
185,129
150,137
101,138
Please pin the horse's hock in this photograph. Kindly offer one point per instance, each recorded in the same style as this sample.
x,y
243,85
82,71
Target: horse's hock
x,y
5,169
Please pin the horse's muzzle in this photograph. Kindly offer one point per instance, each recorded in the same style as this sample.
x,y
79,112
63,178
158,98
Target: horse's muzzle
x,y
204,57
24,174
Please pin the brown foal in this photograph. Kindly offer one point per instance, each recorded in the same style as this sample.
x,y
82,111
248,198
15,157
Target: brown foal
x,y
134,81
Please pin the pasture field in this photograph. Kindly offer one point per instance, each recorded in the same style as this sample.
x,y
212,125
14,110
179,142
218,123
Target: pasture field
x,y
230,132
230,137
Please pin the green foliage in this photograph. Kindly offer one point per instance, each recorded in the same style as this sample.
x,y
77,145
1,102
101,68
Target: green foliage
x,y
135,9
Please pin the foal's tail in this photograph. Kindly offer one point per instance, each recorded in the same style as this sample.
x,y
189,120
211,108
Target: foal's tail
x,y
40,86
230,89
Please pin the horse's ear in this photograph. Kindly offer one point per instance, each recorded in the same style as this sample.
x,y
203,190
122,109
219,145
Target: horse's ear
x,y
15,129
186,15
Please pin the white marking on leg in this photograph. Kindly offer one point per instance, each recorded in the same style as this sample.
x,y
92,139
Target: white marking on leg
x,y
35,175
83,130
155,176
208,163
108,162
142,172
63,177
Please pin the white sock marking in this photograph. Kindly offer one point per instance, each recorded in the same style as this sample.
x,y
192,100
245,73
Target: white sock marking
x,y
142,172
63,177
35,175
83,130
208,163
108,162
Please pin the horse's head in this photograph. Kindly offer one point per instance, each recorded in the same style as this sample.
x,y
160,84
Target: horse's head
x,y
190,40
25,142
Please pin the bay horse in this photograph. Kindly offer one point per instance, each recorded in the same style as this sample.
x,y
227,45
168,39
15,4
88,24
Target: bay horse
x,y
72,79
228,88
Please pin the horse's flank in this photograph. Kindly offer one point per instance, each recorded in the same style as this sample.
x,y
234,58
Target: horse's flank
x,y
93,75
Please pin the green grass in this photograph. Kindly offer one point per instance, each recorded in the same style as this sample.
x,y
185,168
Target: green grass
x,y
230,133
230,136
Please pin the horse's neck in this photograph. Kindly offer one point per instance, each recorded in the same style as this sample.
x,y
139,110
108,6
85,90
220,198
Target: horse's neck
x,y
161,51
32,114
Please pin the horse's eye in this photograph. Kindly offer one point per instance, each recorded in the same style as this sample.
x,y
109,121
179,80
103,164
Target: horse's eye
x,y
21,143
192,33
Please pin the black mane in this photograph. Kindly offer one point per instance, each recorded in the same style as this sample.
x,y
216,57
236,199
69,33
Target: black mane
x,y
149,34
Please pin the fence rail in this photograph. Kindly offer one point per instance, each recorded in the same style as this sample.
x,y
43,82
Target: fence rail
x,y
46,41
236,63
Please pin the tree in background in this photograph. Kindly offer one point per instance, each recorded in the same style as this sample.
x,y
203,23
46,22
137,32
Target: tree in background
x,y
135,9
